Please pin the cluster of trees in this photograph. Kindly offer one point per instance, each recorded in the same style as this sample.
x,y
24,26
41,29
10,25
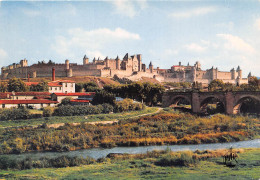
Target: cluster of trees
x,y
87,87
14,114
122,80
41,87
146,92
17,85
219,85
78,110
184,85
3,87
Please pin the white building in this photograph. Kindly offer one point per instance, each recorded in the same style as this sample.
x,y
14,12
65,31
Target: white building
x,y
62,86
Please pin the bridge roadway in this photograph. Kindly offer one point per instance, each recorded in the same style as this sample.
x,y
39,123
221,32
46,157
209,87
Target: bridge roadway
x,y
231,101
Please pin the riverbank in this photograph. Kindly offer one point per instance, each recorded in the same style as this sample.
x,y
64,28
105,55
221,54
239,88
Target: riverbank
x,y
165,128
147,166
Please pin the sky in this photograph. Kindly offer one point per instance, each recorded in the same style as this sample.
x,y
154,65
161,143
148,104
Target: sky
x,y
217,33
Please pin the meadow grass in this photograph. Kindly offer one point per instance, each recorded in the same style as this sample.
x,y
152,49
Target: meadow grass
x,y
136,168
76,119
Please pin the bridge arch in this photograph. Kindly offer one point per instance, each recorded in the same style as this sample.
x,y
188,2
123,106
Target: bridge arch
x,y
180,98
247,103
218,101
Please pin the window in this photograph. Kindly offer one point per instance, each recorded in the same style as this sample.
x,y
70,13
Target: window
x,y
66,85
71,84
16,97
60,88
3,105
55,89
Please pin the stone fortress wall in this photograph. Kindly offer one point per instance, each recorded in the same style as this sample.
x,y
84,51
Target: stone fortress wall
x,y
129,67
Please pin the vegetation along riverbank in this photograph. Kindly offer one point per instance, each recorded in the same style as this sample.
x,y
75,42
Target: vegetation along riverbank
x,y
167,127
165,164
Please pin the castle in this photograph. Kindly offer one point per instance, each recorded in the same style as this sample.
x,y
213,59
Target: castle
x,y
181,73
130,67
103,68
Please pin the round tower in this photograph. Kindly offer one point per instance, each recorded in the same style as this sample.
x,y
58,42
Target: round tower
x,y
233,73
67,63
85,60
239,72
117,63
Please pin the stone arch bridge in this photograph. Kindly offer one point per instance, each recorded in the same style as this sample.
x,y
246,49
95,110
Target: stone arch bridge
x,y
231,101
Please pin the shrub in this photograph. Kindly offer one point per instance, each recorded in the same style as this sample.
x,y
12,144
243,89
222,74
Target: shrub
x,y
128,105
77,110
48,111
65,101
7,162
107,108
177,159
14,114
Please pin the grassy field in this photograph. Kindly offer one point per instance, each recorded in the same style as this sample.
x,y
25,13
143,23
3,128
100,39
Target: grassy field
x,y
75,119
135,168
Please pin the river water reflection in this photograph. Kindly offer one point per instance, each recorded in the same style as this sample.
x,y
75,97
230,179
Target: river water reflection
x,y
101,152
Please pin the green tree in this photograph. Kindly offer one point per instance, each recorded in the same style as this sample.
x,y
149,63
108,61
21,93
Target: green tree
x,y
3,87
228,87
41,87
91,87
102,97
65,101
16,85
253,83
79,87
216,85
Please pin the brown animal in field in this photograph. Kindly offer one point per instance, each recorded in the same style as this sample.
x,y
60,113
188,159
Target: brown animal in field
x,y
230,156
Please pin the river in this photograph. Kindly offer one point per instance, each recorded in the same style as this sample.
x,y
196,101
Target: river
x,y
103,152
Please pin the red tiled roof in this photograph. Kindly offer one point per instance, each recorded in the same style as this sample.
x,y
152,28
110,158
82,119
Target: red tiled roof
x,y
32,93
63,81
40,101
67,81
73,94
54,84
80,100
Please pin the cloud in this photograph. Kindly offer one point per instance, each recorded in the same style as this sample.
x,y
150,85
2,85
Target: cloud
x,y
257,23
171,52
31,13
193,12
3,54
93,41
194,47
129,8
236,43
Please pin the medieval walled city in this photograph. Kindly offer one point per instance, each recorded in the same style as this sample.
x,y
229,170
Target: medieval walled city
x,y
130,67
